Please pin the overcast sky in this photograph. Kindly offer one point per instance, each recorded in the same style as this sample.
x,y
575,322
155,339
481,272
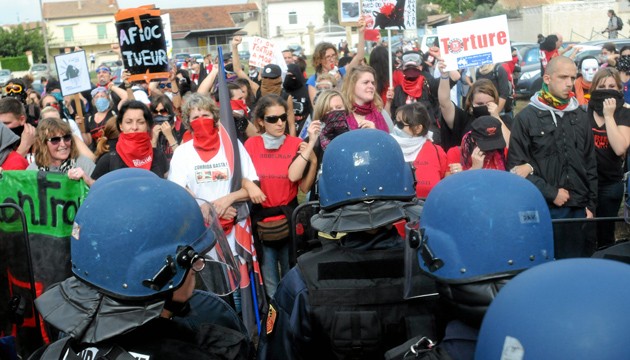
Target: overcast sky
x,y
18,11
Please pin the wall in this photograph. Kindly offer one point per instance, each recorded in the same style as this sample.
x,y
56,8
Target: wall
x,y
84,30
307,12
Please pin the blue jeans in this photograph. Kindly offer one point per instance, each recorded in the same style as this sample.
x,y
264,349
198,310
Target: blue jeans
x,y
572,239
608,202
272,257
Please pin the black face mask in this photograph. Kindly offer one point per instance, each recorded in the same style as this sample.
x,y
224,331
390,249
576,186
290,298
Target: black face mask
x,y
291,82
596,103
623,63
479,111
18,130
412,73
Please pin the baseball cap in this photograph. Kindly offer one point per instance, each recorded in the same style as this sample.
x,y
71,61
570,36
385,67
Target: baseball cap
x,y
271,71
486,130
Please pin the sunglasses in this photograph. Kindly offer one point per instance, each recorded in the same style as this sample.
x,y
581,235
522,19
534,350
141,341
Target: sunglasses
x,y
167,85
103,69
53,104
15,88
272,119
401,125
57,139
161,112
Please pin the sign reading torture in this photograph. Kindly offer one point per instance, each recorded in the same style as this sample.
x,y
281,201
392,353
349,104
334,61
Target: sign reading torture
x,y
142,43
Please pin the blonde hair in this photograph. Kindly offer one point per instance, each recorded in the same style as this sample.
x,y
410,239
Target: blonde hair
x,y
350,81
322,106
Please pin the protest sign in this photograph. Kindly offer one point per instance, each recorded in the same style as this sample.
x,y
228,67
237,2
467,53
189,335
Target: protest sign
x,y
261,52
349,12
392,14
44,204
74,75
475,43
142,43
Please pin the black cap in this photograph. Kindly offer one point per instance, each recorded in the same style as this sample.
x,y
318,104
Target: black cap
x,y
271,71
486,130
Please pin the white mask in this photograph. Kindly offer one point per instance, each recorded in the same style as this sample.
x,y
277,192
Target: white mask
x,y
588,69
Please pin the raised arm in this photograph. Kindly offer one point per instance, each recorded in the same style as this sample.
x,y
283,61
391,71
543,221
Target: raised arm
x,y
444,96
360,55
236,62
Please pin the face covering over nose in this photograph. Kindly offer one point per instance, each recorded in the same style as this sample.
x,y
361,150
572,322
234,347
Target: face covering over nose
x,y
596,103
479,111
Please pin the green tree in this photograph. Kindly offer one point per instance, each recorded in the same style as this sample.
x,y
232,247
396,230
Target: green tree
x,y
15,41
331,11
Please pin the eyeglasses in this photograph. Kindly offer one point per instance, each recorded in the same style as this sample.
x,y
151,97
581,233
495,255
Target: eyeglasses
x,y
330,57
272,119
103,69
57,139
15,88
161,112
163,85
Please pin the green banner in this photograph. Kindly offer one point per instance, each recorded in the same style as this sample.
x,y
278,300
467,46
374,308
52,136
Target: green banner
x,y
49,200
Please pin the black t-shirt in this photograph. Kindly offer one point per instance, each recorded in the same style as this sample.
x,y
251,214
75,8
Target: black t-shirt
x,y
112,161
609,165
96,130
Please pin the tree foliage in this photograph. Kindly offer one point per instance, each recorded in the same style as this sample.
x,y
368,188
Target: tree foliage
x,y
331,11
15,41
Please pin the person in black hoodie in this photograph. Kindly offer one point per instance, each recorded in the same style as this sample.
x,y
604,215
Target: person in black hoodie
x,y
294,85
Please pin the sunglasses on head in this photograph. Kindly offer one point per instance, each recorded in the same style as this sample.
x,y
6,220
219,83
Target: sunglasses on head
x,y
272,119
163,85
103,69
15,88
57,139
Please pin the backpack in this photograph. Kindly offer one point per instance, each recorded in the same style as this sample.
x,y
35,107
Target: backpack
x,y
619,23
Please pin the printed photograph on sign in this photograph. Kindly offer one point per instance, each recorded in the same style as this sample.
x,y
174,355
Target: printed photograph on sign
x,y
475,43
389,14
74,75
349,12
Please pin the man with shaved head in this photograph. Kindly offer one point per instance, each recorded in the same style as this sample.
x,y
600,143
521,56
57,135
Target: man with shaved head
x,y
552,137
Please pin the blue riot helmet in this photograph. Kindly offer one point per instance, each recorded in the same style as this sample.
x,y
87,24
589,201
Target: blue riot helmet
x,y
364,165
566,309
137,238
120,174
364,183
483,224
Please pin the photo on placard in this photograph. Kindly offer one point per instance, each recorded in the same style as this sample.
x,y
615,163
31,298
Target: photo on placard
x,y
74,75
349,12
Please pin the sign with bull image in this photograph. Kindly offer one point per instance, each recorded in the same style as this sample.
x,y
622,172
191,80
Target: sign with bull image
x,y
74,75
389,14
142,43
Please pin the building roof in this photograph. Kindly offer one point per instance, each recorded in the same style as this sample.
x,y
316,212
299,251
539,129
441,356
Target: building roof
x,y
185,20
27,26
78,9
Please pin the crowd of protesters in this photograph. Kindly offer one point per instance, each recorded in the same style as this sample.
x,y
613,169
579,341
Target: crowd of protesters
x,y
572,148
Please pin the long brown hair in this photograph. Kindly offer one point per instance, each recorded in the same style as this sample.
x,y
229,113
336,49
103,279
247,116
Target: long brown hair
x,y
110,132
481,86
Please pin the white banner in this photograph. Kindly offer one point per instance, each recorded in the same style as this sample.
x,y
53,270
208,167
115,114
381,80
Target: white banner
x,y
261,52
475,43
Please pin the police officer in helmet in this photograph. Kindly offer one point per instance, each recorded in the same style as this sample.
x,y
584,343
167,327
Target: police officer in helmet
x,y
346,300
139,246
479,229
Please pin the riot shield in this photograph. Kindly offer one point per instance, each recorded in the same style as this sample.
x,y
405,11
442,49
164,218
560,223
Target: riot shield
x,y
18,288
303,235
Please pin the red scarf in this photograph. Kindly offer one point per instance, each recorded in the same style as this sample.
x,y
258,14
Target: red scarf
x,y
239,105
205,138
413,88
370,112
135,149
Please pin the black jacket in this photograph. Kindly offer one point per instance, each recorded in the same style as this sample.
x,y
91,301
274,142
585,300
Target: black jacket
x,y
562,156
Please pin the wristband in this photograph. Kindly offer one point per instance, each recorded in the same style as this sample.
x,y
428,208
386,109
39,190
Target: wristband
x,y
302,156
444,77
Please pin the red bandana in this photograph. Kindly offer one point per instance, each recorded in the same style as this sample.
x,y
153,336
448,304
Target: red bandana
x,y
413,88
239,105
135,149
205,138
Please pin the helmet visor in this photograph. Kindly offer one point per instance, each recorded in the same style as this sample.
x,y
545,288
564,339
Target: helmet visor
x,y
219,273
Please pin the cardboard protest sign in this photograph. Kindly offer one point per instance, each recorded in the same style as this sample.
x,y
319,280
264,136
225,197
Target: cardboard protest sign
x,y
142,43
261,52
392,14
48,202
475,43
74,75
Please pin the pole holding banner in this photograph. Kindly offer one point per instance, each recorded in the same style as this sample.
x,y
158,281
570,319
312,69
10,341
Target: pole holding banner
x,y
78,106
142,43
389,58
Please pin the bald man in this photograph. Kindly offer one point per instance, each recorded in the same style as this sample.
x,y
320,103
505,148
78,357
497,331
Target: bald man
x,y
553,137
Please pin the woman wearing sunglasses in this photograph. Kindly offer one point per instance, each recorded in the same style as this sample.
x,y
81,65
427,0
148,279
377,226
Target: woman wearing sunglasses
x,y
282,162
133,149
56,151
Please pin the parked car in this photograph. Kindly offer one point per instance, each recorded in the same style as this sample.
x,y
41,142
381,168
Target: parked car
x,y
180,58
243,55
5,76
40,70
